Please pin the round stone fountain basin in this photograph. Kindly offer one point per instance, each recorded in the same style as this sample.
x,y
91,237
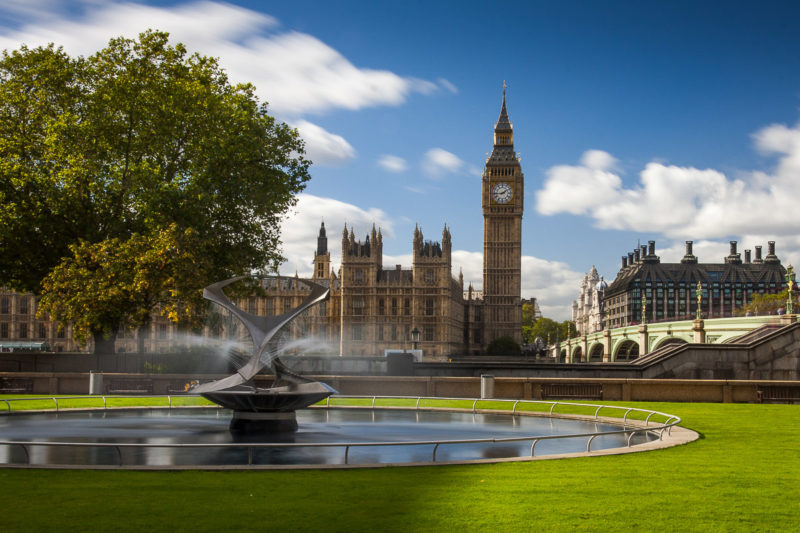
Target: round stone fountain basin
x,y
316,426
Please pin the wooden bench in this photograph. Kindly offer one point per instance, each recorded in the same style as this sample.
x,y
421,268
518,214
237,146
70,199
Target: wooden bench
x,y
130,386
16,386
779,393
572,391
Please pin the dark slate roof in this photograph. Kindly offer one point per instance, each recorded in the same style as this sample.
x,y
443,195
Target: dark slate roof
x,y
503,122
396,276
691,273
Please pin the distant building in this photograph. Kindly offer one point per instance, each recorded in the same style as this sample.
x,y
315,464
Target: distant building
x,y
669,289
586,310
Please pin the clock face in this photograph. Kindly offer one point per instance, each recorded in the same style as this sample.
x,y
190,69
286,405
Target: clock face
x,y
502,193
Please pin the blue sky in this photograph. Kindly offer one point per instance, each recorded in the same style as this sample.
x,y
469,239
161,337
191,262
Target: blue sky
x,y
635,121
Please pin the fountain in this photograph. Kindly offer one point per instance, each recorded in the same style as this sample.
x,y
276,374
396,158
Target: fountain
x,y
272,409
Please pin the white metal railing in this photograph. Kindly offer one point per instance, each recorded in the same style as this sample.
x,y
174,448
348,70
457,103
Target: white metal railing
x,y
658,429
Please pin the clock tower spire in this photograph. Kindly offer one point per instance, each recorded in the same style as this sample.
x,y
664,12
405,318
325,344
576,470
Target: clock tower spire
x,y
502,189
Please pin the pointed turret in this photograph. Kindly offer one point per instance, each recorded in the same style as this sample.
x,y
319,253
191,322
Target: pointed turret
x,y
503,122
322,241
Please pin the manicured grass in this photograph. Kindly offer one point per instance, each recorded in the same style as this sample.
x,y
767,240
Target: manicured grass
x,y
741,476
33,402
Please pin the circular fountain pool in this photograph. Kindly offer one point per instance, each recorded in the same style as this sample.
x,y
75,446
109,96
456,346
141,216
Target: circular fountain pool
x,y
180,438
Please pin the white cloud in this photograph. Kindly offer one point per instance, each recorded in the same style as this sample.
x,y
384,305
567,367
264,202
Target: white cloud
x,y
295,72
438,162
552,283
322,147
598,160
579,189
683,202
392,163
300,229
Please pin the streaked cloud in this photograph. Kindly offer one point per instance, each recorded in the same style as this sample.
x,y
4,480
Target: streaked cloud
x,y
392,163
296,73
324,147
438,162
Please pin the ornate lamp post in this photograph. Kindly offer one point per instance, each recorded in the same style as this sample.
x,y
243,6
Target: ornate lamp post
x,y
790,277
699,293
644,308
415,337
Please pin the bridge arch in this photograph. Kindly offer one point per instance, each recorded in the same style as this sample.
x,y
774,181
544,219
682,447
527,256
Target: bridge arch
x,y
626,350
596,352
577,353
669,340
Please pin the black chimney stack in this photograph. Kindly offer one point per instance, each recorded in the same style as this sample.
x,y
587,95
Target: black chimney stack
x,y
747,256
688,258
758,258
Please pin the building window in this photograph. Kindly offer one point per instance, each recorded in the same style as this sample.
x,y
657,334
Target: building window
x,y
429,279
394,306
62,333
162,331
270,304
477,316
4,330
358,306
42,330
251,306
429,306
5,306
359,276
23,305
407,307
23,331
394,333
381,307
427,333
380,332
357,332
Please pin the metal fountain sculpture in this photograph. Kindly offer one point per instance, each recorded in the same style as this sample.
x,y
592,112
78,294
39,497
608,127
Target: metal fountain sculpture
x,y
272,409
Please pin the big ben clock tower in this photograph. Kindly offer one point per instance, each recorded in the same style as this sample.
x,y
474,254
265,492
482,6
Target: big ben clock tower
x,y
502,203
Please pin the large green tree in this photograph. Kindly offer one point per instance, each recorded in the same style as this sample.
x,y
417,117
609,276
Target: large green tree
x,y
135,144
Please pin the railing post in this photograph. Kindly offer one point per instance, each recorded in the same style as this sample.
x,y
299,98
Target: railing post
x,y
589,444
119,454
56,400
435,447
533,445
346,454
8,404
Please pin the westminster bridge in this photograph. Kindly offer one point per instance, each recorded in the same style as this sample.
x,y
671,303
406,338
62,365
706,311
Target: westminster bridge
x,y
631,342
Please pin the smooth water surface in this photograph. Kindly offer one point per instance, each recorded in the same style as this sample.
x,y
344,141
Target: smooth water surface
x,y
210,426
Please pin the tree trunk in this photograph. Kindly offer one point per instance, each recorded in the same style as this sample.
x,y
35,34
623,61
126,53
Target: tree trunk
x,y
103,345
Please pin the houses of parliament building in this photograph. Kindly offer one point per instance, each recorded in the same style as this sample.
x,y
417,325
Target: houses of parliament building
x,y
372,309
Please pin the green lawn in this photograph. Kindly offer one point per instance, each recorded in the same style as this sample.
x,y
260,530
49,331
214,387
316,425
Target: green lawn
x,y
743,475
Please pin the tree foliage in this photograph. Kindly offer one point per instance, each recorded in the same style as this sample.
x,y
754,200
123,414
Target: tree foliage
x,y
548,330
115,283
504,345
106,156
768,304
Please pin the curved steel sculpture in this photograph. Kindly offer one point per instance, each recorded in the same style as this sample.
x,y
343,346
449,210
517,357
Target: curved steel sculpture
x,y
271,408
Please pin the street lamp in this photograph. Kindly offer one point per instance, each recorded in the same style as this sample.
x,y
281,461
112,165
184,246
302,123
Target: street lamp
x,y
644,308
415,337
699,293
790,282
